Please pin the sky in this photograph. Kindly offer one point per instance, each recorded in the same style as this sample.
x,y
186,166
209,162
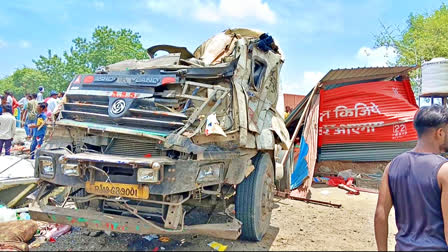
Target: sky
x,y
315,36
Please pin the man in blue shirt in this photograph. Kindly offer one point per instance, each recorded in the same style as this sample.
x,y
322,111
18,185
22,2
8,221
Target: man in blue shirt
x,y
40,129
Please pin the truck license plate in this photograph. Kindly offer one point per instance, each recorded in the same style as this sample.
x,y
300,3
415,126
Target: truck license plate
x,y
119,190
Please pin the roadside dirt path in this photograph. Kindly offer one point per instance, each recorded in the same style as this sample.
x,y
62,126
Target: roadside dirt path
x,y
295,225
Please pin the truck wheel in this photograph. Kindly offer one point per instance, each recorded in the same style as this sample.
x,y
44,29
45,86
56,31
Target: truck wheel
x,y
254,199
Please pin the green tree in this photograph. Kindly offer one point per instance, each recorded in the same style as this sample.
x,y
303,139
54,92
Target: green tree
x,y
425,37
106,46
55,69
24,80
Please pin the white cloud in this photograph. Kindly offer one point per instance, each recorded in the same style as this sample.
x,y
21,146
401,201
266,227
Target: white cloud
x,y
302,87
24,44
376,57
3,43
211,11
98,5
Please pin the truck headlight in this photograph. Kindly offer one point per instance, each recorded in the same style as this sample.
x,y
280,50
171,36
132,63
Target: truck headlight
x,y
147,175
70,170
46,166
209,173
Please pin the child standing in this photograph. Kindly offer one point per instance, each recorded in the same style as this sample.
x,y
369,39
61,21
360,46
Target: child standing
x,y
40,129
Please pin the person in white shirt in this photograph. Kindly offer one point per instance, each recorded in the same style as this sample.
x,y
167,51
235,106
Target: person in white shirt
x,y
24,101
7,129
40,95
52,102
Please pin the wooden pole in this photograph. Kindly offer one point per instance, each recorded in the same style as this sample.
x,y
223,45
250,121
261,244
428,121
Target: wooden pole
x,y
302,118
21,195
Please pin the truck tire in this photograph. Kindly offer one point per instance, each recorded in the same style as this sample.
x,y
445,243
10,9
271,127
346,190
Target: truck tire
x,y
254,199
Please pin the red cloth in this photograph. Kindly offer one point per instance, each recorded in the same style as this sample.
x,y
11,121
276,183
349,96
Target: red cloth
x,y
46,99
335,181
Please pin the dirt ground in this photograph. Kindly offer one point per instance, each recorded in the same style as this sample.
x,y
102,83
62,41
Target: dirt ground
x,y
295,225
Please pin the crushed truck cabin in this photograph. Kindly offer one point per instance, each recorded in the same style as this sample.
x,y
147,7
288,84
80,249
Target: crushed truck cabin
x,y
139,143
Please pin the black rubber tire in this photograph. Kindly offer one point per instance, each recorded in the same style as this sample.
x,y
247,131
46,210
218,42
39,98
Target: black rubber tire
x,y
249,207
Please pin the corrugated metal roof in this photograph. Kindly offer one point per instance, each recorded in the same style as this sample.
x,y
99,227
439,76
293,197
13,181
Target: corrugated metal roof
x,y
335,76
365,73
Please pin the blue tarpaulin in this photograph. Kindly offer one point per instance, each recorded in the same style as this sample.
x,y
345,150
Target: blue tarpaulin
x,y
301,170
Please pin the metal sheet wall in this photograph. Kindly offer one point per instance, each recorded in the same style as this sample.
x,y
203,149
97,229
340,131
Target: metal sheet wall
x,y
364,152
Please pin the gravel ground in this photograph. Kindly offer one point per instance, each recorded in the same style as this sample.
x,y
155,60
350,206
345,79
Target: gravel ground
x,y
295,225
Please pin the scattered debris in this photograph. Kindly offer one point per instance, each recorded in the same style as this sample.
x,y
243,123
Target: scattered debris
x,y
154,243
24,216
7,214
212,126
365,190
56,230
109,233
37,242
320,180
346,174
164,239
217,246
349,189
323,203
150,237
17,180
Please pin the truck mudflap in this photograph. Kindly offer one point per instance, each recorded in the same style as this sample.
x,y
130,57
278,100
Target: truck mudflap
x,y
99,221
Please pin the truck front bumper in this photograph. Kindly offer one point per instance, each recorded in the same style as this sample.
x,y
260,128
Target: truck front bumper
x,y
107,222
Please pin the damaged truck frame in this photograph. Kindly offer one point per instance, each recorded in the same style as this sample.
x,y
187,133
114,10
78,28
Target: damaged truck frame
x,y
141,143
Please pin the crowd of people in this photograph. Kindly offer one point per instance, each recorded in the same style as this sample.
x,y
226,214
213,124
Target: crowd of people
x,y
32,112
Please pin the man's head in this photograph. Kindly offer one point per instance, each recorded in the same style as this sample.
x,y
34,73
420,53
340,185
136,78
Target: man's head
x,y
41,89
34,95
288,109
61,94
431,123
54,94
7,108
41,107
29,97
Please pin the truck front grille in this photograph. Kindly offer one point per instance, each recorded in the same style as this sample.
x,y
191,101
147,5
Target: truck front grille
x,y
143,115
134,148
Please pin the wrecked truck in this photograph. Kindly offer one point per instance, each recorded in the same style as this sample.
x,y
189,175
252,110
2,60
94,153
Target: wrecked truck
x,y
140,143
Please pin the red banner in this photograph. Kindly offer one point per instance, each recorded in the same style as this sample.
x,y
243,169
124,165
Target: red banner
x,y
367,112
